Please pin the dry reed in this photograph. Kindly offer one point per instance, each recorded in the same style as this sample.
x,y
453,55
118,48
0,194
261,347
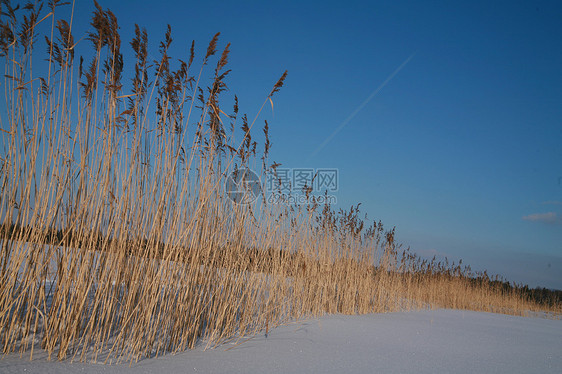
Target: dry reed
x,y
118,239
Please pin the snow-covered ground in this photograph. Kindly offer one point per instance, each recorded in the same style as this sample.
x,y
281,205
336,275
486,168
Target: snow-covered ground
x,y
440,341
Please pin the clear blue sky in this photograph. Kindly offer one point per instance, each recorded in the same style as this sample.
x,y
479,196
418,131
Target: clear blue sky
x,y
461,150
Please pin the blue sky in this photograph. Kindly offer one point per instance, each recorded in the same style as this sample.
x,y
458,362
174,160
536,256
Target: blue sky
x,y
461,150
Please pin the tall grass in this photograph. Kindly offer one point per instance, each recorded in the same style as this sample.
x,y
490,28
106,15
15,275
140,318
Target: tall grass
x,y
118,239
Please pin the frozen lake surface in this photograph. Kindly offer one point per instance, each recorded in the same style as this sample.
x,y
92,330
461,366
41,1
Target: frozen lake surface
x,y
438,341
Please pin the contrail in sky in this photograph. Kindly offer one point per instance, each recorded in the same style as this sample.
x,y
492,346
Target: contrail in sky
x,y
352,115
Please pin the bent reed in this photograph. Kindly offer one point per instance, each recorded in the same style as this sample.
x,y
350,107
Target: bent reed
x,y
118,239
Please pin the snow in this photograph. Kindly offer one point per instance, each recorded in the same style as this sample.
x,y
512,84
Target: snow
x,y
427,341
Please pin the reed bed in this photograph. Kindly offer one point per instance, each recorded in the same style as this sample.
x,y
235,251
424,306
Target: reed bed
x,y
118,239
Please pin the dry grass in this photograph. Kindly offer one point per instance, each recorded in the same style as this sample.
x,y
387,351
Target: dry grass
x,y
117,237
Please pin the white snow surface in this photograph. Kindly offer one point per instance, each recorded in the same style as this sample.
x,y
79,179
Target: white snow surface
x,y
427,341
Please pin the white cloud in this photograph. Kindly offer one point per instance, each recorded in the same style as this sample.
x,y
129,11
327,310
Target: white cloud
x,y
549,217
552,202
